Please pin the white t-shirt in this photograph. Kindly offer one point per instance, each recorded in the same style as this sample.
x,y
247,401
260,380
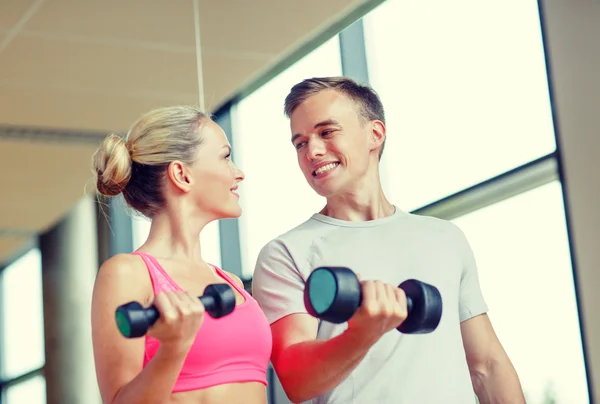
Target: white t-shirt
x,y
399,368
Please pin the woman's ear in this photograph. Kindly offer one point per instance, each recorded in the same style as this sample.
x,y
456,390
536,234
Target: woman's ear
x,y
179,175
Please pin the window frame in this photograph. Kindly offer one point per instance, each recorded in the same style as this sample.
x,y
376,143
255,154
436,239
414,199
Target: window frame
x,y
497,188
5,384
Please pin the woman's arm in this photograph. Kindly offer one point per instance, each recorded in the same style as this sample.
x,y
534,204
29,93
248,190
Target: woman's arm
x,y
119,360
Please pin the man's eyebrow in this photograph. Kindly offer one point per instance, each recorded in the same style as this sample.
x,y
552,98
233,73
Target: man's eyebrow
x,y
326,122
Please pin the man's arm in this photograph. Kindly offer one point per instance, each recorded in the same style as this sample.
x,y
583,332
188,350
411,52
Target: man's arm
x,y
305,366
308,367
494,378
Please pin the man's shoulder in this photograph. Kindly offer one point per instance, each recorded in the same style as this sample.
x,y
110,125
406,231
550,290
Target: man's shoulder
x,y
437,230
286,255
303,231
432,224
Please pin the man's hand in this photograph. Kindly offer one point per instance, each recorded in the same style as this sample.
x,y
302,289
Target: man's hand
x,y
383,308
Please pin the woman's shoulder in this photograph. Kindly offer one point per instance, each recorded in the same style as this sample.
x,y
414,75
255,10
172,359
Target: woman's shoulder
x,y
125,272
122,265
234,277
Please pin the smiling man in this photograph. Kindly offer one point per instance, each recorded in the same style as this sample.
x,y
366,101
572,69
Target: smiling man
x,y
338,130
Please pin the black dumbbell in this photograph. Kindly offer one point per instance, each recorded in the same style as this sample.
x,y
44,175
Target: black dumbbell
x,y
334,294
133,320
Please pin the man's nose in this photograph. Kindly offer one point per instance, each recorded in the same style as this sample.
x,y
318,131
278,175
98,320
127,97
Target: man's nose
x,y
316,148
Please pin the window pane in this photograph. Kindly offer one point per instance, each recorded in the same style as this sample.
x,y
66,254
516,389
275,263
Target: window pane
x,y
274,196
140,230
465,97
31,391
23,316
522,252
209,238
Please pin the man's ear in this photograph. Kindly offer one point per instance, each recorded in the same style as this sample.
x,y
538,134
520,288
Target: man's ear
x,y
179,176
377,134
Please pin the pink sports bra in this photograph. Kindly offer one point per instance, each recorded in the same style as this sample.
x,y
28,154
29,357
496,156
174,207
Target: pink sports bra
x,y
231,349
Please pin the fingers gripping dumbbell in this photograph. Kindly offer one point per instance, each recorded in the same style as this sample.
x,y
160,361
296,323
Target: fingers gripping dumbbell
x,y
133,320
334,294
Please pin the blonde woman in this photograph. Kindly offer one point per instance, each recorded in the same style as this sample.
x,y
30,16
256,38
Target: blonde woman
x,y
174,166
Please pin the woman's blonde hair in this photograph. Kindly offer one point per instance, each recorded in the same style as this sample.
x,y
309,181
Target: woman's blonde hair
x,y
136,164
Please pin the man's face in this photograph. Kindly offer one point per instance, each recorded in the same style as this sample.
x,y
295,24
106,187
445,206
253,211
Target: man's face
x,y
333,142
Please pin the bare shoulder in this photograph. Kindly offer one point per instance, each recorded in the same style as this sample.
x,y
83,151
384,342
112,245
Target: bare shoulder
x,y
121,264
125,273
235,278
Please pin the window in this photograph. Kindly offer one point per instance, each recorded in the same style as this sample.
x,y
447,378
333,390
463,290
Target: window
x,y
522,252
274,196
140,230
465,98
30,391
22,328
209,238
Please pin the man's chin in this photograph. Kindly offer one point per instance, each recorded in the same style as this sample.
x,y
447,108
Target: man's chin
x,y
324,191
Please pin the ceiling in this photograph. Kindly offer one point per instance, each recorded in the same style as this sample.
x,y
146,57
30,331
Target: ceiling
x,y
73,70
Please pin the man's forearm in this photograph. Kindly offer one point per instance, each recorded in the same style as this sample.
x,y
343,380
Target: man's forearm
x,y
497,383
311,368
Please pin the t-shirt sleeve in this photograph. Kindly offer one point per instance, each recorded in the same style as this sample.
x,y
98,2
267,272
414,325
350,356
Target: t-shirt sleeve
x,y
471,300
277,285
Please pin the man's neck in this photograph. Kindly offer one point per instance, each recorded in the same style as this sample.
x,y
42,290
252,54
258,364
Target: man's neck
x,y
358,208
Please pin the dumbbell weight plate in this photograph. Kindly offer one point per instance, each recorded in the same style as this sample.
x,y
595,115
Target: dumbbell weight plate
x,y
322,290
425,308
332,294
218,300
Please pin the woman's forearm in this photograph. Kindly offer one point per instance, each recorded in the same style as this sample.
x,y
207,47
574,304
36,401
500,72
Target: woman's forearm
x,y
155,382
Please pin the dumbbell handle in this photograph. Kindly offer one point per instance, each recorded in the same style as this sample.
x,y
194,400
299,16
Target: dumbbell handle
x,y
418,324
132,315
152,313
409,302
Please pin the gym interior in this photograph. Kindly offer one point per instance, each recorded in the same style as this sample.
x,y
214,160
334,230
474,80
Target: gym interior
x,y
492,123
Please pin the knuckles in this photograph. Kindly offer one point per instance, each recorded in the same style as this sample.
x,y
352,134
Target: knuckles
x,y
169,317
383,301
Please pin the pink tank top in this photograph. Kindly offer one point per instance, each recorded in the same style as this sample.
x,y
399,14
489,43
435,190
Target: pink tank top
x,y
231,349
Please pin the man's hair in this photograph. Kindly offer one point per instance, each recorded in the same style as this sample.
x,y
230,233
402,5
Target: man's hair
x,y
367,100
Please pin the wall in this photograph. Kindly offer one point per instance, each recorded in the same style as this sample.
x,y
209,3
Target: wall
x,y
571,31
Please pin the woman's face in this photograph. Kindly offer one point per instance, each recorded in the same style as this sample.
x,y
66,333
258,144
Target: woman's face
x,y
216,177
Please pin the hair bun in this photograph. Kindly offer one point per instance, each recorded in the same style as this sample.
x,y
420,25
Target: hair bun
x,y
112,166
